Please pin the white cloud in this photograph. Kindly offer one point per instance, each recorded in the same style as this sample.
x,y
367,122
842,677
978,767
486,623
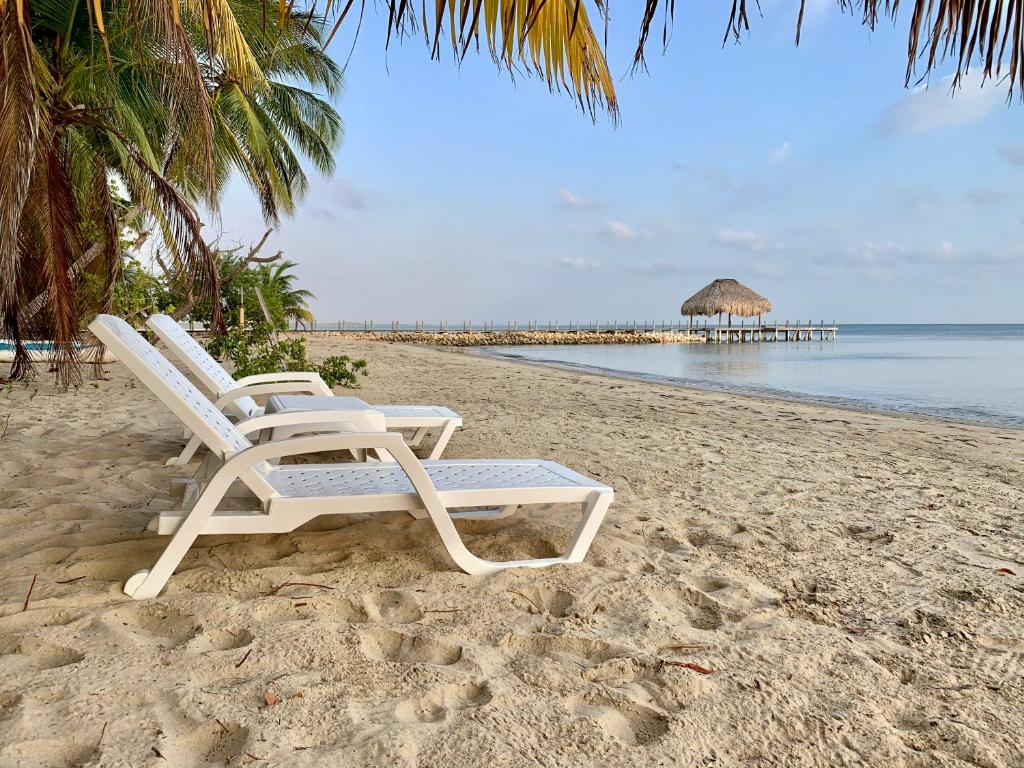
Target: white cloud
x,y
745,240
781,153
574,201
927,108
657,268
887,253
579,263
619,230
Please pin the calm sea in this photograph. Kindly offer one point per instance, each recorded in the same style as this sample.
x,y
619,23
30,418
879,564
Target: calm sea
x,y
969,373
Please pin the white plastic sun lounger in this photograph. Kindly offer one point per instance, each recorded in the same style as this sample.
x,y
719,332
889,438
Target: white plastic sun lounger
x,y
291,391
290,495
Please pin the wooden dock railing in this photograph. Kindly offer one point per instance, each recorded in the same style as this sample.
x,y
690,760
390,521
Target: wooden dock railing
x,y
711,333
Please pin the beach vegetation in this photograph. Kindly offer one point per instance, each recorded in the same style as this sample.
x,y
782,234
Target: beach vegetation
x,y
256,349
114,113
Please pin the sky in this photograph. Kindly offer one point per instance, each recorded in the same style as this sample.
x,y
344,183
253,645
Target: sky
x,y
810,174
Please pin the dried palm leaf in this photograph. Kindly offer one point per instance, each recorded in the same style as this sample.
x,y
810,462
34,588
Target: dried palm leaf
x,y
50,238
195,263
19,126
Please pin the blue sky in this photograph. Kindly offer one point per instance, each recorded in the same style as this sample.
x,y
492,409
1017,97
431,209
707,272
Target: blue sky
x,y
809,173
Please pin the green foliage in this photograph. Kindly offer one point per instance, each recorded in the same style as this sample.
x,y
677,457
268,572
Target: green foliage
x,y
239,283
254,351
139,292
132,114
342,370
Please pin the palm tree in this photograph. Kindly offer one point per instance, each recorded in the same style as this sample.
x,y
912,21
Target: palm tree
x,y
278,281
160,104
259,131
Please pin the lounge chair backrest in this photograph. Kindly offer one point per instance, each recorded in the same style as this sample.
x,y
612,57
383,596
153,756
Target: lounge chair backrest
x,y
210,373
166,382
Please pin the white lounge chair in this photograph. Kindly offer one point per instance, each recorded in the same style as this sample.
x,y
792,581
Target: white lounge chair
x,y
236,396
290,495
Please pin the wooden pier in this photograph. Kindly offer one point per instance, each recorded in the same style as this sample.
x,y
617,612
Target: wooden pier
x,y
466,333
772,332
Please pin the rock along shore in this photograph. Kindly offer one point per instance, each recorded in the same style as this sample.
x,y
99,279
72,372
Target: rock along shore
x,y
514,338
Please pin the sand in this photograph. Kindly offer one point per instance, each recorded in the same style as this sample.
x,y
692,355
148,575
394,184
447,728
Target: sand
x,y
846,588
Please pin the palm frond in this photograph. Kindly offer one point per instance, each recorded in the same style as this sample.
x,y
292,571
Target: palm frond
x,y
195,262
312,124
226,41
552,39
183,86
989,33
50,238
19,126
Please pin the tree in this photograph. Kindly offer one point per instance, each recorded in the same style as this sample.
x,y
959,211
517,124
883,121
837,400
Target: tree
x,y
279,286
162,104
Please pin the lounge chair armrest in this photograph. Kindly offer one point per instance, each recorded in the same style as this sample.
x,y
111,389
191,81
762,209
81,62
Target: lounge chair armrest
x,y
310,377
358,420
297,446
253,390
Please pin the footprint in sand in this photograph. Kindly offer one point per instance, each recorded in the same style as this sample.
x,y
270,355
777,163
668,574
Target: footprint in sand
x,y
703,611
15,652
443,704
571,649
151,624
49,753
625,721
219,640
211,743
379,644
555,602
349,610
394,606
620,671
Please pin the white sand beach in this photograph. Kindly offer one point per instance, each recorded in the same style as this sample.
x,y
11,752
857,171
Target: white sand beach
x,y
776,584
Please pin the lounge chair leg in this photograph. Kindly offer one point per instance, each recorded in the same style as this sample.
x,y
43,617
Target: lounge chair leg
x,y
148,583
442,440
417,438
593,515
186,453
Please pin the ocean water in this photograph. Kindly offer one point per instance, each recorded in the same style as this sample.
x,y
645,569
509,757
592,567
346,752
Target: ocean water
x,y
972,373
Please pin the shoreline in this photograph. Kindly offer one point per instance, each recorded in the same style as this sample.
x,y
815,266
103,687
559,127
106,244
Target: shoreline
x,y
781,396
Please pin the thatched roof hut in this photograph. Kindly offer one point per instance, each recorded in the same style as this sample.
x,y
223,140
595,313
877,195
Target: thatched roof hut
x,y
728,296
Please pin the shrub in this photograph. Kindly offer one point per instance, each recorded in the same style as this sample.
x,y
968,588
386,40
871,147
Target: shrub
x,y
343,370
255,351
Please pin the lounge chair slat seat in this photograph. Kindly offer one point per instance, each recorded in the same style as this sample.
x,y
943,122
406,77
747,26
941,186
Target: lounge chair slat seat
x,y
364,479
